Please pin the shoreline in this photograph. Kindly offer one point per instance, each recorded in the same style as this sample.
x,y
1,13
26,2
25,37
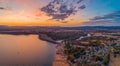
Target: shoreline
x,y
43,37
115,61
48,39
60,59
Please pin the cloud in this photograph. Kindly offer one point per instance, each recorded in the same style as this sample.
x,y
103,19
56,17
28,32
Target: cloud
x,y
108,19
62,9
114,15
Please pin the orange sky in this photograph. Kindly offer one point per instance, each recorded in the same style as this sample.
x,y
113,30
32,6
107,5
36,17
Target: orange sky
x,y
35,18
27,13
30,13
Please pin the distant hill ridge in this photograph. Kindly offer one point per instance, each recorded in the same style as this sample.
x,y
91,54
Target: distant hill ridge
x,y
58,27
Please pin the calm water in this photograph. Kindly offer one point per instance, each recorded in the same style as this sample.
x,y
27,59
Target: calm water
x,y
25,49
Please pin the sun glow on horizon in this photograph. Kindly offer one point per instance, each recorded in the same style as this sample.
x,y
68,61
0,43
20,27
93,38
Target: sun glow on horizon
x,y
28,13
47,13
36,18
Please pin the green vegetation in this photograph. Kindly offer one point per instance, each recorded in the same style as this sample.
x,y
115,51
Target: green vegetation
x,y
116,51
70,35
72,52
99,57
96,42
107,59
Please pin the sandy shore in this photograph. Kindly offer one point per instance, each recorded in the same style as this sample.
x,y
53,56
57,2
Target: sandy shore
x,y
60,59
115,61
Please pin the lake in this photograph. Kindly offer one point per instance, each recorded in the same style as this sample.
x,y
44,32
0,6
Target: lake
x,y
26,50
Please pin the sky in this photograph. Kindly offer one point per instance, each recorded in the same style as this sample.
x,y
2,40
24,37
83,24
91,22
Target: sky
x,y
60,12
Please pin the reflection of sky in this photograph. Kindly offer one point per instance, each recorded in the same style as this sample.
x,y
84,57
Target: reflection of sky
x,y
27,12
25,49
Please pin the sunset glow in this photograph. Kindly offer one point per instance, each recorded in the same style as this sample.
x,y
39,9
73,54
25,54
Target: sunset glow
x,y
29,13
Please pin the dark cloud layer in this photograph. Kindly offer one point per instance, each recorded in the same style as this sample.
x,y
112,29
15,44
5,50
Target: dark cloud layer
x,y
62,9
108,19
115,15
